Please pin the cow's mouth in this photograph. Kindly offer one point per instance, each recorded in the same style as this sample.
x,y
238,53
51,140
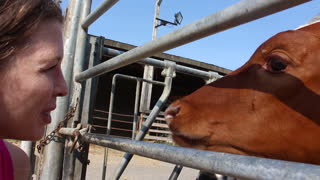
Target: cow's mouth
x,y
203,143
189,141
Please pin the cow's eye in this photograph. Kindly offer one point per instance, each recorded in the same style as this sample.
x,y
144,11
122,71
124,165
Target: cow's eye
x,y
276,64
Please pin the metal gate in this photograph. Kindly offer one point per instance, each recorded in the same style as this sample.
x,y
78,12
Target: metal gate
x,y
58,163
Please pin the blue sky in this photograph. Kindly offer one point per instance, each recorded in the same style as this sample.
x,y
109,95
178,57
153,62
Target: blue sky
x,y
131,21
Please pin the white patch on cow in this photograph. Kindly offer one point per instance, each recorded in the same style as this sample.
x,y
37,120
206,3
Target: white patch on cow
x,y
313,20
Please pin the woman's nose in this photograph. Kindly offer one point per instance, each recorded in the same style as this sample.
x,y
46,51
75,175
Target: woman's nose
x,y
61,88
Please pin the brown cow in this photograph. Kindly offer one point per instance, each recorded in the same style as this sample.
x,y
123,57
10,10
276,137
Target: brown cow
x,y
268,108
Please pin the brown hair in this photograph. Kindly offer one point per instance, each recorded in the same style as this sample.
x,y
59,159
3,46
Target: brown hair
x,y
19,18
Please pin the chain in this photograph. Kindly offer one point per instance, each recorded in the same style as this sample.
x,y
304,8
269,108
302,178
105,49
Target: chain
x,y
45,141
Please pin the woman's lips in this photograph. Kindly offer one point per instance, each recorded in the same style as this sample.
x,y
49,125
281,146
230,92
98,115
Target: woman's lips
x,y
46,115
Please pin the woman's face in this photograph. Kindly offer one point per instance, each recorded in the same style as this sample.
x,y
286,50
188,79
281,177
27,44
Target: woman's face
x,y
31,83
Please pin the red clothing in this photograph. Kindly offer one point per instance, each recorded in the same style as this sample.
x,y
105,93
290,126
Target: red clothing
x,y
6,165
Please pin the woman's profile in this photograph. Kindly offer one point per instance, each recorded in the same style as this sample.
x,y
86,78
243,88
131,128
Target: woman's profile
x,y
31,51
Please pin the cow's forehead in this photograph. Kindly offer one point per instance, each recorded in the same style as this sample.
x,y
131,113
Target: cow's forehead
x,y
290,39
312,28
296,43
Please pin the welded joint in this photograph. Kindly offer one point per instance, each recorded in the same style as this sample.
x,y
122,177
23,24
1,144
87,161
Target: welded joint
x,y
212,77
169,69
73,132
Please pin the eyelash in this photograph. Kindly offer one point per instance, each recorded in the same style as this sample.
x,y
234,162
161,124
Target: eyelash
x,y
51,68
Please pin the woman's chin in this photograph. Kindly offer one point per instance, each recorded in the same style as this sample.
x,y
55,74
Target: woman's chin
x,y
31,136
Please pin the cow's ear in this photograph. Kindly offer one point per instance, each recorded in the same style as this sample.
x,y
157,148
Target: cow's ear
x,y
312,28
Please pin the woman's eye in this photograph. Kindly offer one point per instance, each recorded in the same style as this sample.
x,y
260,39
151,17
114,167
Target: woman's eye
x,y
50,68
276,64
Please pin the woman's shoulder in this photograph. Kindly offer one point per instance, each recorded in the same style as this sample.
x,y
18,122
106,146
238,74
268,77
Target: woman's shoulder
x,y
21,163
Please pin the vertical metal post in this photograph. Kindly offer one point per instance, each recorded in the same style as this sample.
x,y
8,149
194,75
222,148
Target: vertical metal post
x,y
136,109
148,69
26,146
74,164
91,85
155,21
53,152
105,159
169,73
89,96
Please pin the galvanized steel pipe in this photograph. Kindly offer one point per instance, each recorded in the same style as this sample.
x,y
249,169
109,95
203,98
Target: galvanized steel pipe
x,y
160,64
105,6
238,166
71,169
237,14
26,146
53,152
136,110
176,172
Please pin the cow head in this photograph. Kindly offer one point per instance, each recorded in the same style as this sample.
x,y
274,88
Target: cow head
x,y
269,107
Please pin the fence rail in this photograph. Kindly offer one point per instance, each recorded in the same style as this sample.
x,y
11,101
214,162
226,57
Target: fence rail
x,y
160,64
228,164
238,166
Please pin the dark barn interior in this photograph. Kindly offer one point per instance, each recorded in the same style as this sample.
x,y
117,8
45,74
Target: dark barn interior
x,y
124,100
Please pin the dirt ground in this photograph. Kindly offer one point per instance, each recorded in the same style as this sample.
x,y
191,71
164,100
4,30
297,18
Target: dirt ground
x,y
139,168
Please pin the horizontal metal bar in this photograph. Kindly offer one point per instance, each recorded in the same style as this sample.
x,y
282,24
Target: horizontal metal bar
x,y
113,120
69,131
107,4
238,166
118,114
73,131
161,64
237,14
160,131
121,129
139,79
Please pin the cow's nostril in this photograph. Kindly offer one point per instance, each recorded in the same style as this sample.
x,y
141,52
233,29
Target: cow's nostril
x,y
171,112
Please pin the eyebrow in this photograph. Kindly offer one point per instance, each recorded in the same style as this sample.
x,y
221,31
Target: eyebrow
x,y
285,48
55,59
